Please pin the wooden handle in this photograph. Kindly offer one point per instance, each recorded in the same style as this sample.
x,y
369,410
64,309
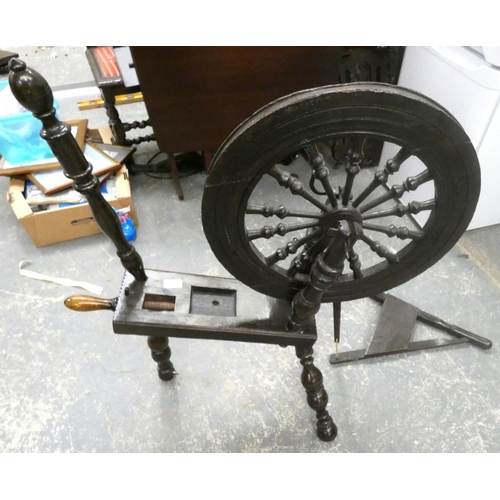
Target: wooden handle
x,y
84,303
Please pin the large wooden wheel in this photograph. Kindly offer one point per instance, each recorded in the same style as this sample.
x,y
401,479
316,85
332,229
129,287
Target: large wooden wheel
x,y
287,177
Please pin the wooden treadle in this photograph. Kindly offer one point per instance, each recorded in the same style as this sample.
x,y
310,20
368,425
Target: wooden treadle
x,y
395,328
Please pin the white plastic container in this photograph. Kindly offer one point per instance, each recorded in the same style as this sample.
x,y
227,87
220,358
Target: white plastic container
x,y
468,86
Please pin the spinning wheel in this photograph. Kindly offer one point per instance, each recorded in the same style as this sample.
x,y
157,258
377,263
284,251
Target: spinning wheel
x,y
287,177
292,209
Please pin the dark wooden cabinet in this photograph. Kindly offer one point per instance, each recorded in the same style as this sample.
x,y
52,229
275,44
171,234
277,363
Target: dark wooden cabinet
x,y
195,96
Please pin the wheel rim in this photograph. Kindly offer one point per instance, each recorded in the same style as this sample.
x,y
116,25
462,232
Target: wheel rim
x,y
313,122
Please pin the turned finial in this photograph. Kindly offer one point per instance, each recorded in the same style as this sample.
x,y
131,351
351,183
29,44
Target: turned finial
x,y
30,89
17,65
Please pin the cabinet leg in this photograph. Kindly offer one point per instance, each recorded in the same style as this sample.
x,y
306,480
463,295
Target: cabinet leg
x,y
175,175
114,122
317,398
160,352
208,157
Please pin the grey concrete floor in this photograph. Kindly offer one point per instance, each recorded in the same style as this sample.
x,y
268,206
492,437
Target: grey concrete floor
x,y
69,384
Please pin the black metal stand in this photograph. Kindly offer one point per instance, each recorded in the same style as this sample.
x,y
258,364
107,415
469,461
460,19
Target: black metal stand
x,y
395,328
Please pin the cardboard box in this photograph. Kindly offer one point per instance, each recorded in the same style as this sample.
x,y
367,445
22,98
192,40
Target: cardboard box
x,y
63,224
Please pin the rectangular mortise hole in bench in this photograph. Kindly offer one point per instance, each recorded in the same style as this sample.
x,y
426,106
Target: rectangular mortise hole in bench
x,y
157,302
213,301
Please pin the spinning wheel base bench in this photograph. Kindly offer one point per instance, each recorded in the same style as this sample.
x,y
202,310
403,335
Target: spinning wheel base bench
x,y
336,241
202,307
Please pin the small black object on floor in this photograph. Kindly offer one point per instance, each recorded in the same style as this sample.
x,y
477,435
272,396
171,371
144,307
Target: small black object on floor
x,y
189,163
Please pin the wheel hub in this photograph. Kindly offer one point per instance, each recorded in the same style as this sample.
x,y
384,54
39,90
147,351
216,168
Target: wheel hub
x,y
332,218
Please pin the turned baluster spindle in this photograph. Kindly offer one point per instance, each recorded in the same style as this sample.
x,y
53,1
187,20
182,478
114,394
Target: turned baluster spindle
x,y
33,92
160,352
326,270
317,397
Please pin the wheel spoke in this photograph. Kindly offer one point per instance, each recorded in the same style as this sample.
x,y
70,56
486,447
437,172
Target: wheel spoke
x,y
392,165
290,248
281,212
410,184
280,229
402,233
296,187
400,210
419,206
317,162
380,250
352,169
354,263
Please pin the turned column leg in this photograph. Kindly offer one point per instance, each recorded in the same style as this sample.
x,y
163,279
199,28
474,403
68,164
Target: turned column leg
x,y
160,352
317,398
325,271
114,121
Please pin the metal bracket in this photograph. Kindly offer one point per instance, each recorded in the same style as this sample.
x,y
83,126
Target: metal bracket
x,y
395,328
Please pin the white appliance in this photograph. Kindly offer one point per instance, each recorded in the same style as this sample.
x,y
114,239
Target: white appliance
x,y
466,81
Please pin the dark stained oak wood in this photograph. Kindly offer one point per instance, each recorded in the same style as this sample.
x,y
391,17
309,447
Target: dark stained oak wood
x,y
161,352
196,96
